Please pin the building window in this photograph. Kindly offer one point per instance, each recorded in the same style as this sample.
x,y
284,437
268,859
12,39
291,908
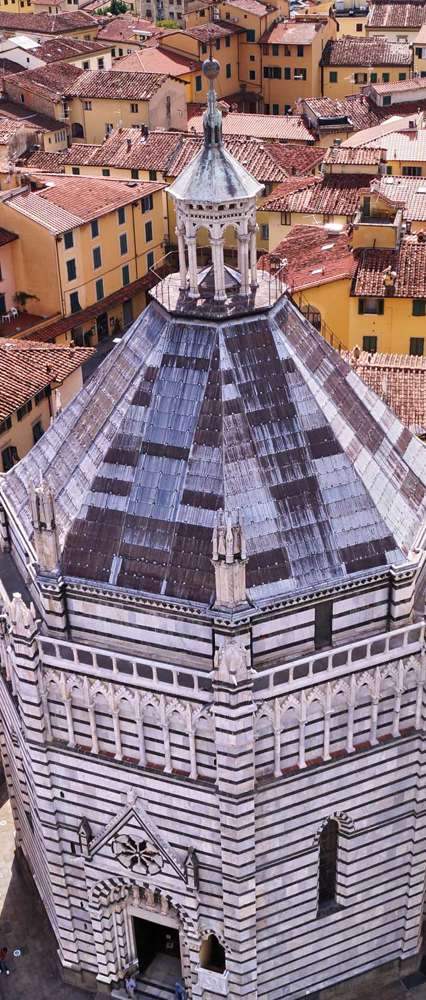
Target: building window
x,y
417,345
287,73
228,71
147,203
212,955
121,215
152,175
360,78
359,27
275,50
389,168
327,868
148,232
264,231
371,306
385,77
123,243
71,270
23,410
251,35
74,303
275,109
105,171
286,218
198,83
300,50
369,344
86,65
150,260
227,41
267,72
68,240
412,171
125,274
300,74
87,105
99,289
323,624
9,457
134,109
265,50
387,99
252,74
97,259
373,77
402,76
217,44
101,63
75,170
203,48
333,76
37,431
94,228
419,307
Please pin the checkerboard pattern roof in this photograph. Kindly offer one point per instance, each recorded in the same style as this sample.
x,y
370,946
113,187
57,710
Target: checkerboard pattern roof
x,y
259,416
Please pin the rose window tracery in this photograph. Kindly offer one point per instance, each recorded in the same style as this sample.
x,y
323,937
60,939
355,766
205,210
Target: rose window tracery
x,y
139,856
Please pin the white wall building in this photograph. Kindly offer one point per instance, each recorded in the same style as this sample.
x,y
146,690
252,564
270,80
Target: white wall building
x,y
213,724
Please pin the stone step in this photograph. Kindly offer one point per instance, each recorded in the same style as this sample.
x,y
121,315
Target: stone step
x,y
146,990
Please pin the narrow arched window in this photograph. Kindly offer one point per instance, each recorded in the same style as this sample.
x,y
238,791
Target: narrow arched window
x,y
212,954
328,863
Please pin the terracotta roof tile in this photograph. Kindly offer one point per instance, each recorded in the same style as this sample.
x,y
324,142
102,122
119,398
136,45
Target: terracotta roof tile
x,y
407,191
353,157
334,194
122,28
296,160
350,51
17,112
55,49
399,379
415,83
47,24
113,85
400,146
396,15
252,6
51,81
70,201
27,367
213,29
293,32
408,262
290,128
156,60
313,255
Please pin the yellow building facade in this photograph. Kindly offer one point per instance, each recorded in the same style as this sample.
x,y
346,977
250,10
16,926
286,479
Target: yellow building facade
x,y
348,64
291,53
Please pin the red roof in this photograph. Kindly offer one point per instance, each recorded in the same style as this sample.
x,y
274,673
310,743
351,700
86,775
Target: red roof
x,y
350,156
123,28
67,201
287,128
66,48
153,59
293,32
408,262
113,85
313,255
51,81
333,194
399,379
252,6
396,15
349,51
27,367
296,160
47,24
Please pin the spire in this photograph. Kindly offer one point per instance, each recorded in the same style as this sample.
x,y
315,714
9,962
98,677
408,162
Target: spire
x,y
212,118
229,561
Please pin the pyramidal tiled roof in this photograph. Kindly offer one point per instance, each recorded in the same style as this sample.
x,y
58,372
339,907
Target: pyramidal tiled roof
x,y
257,415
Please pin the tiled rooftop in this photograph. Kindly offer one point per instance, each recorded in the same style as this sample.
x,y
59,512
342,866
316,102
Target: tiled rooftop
x,y
333,194
407,191
251,6
113,85
353,157
313,255
47,24
409,263
122,28
377,133
350,51
396,15
400,146
55,49
214,29
27,367
70,201
296,160
166,152
9,127
288,128
156,60
292,32
258,416
17,112
399,379
415,83
51,82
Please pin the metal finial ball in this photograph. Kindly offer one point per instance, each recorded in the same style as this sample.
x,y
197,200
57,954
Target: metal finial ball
x,y
211,68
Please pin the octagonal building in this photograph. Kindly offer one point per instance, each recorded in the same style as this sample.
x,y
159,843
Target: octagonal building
x,y
212,678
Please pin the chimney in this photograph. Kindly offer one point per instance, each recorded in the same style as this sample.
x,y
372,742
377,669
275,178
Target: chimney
x,y
129,145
